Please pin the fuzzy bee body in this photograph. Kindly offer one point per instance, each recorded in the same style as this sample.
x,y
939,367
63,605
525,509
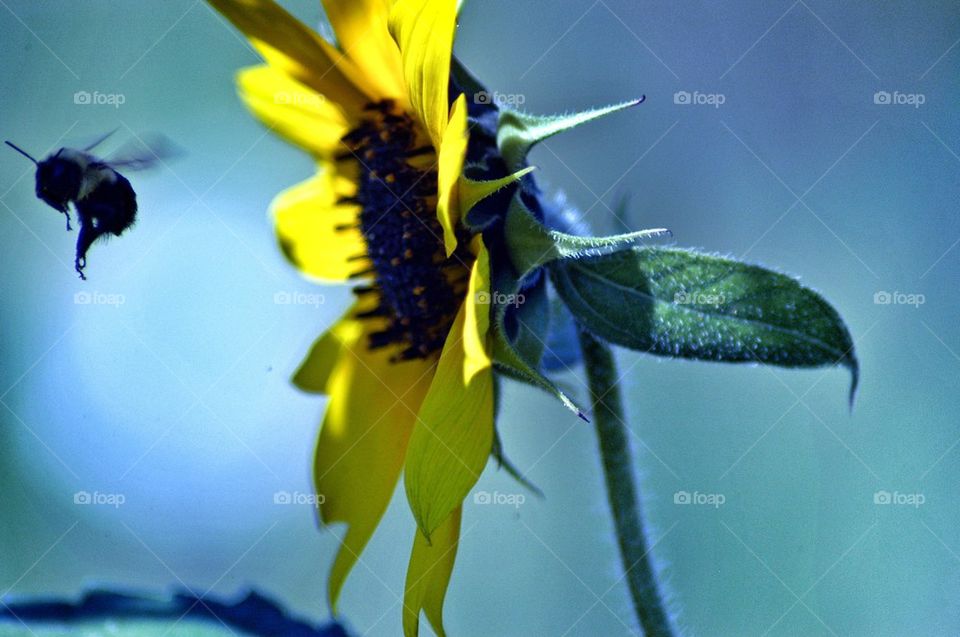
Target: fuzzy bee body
x,y
103,199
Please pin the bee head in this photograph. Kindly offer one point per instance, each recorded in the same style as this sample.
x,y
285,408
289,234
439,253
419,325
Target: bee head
x,y
58,181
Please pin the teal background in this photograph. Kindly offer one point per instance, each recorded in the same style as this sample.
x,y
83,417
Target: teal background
x,y
179,399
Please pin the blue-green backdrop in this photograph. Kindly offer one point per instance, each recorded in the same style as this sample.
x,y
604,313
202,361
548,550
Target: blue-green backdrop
x,y
167,383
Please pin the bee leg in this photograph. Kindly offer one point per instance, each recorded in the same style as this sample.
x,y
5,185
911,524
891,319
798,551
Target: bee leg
x,y
88,234
67,215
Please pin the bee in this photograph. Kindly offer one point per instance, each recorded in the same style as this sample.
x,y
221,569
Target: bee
x,y
103,199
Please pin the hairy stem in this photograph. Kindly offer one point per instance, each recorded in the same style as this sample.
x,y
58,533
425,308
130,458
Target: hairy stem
x,y
612,432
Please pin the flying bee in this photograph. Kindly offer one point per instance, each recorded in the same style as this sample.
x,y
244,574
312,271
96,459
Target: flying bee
x,y
104,200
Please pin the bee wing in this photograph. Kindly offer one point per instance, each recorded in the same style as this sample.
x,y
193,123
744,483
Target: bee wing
x,y
99,141
143,153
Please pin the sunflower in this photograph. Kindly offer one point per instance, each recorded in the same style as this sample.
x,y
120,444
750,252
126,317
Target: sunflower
x,y
408,368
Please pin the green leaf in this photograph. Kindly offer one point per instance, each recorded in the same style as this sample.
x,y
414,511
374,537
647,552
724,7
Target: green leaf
x,y
533,245
518,132
673,302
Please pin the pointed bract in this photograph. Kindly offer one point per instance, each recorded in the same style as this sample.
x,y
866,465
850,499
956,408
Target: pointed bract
x,y
518,132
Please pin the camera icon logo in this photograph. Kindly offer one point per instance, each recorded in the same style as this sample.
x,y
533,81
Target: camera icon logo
x,y
882,497
282,298
282,497
882,97
482,497
482,97
682,497
681,97
82,97
82,497
882,298
82,298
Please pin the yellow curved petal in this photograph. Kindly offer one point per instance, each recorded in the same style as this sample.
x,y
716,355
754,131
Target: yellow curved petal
x,y
291,47
315,371
453,436
361,28
477,315
364,436
315,232
424,31
428,576
453,152
292,110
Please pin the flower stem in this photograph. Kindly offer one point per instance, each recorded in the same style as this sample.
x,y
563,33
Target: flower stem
x,y
621,487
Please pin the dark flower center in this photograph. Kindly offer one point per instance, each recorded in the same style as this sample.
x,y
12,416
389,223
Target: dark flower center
x,y
418,289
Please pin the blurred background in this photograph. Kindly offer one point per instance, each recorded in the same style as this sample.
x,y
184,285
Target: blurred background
x,y
819,138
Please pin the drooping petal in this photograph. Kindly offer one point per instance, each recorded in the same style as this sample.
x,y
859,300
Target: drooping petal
x,y
424,31
291,47
316,233
477,315
315,371
453,435
428,575
361,28
363,440
293,110
453,151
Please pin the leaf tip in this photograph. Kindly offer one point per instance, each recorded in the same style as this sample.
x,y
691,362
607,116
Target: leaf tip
x,y
854,368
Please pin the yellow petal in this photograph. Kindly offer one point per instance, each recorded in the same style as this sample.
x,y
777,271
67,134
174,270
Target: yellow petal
x,y
453,151
453,436
363,440
314,231
428,576
291,47
477,315
361,28
292,110
424,31
315,371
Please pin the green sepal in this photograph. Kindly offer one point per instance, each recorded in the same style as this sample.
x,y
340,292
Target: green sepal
x,y
518,132
685,304
533,245
472,192
519,358
504,463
